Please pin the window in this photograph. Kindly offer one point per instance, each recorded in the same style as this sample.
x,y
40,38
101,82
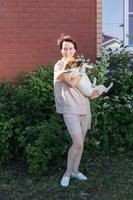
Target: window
x,y
128,22
130,5
130,29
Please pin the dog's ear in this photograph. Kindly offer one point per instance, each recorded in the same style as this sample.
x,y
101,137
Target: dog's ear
x,y
68,65
79,63
71,64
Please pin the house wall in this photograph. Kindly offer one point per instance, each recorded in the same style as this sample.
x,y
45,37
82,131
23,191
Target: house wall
x,y
29,30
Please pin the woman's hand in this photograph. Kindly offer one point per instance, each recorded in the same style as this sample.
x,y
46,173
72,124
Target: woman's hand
x,y
94,95
72,81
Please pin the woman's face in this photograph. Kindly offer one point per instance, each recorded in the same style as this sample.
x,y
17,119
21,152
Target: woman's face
x,y
68,49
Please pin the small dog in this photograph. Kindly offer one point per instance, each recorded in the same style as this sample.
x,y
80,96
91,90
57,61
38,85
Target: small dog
x,y
76,67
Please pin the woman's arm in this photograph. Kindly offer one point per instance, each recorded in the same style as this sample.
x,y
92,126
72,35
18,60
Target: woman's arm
x,y
94,95
72,81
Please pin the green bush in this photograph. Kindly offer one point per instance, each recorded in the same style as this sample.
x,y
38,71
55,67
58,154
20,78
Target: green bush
x,y
50,145
6,123
112,127
30,129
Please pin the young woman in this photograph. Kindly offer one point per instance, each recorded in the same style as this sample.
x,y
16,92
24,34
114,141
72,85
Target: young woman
x,y
75,108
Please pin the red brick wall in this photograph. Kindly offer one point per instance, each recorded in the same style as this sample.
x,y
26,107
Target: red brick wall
x,y
29,30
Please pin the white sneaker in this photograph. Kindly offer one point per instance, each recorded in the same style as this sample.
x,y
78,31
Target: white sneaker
x,y
65,181
79,176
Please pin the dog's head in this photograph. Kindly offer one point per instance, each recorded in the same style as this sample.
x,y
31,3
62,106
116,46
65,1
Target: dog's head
x,y
73,64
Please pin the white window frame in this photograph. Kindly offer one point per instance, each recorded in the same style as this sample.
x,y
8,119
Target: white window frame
x,y
126,24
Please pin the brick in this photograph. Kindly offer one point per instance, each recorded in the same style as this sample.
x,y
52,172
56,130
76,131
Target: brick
x,y
29,30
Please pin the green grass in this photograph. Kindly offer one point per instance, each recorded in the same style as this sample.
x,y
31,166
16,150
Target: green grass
x,y
108,179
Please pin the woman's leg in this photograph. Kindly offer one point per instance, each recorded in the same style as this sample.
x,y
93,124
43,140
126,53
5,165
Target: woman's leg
x,y
77,126
85,121
78,157
75,149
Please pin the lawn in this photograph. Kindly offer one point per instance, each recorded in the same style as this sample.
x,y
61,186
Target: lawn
x,y
109,178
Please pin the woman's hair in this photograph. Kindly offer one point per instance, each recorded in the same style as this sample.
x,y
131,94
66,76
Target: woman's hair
x,y
66,38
